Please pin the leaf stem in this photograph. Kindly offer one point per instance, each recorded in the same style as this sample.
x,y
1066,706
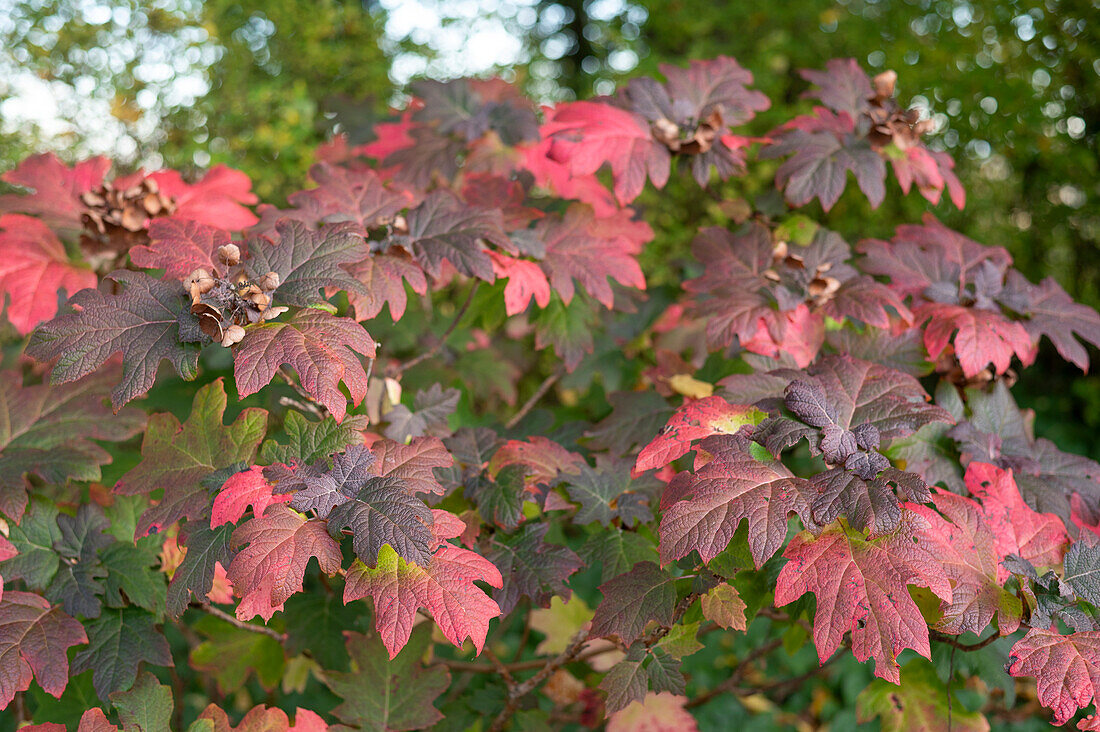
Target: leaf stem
x,y
232,620
443,338
949,640
534,399
518,691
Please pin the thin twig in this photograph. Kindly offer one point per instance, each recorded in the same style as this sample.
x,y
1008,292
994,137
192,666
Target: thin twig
x,y
942,638
232,620
518,691
735,678
530,403
530,665
498,666
307,403
443,338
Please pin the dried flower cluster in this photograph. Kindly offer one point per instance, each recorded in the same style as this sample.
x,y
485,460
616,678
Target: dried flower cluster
x,y
225,304
889,122
116,218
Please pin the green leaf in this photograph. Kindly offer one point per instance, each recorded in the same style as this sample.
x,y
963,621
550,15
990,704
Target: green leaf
x,y
309,441
616,551
147,707
919,703
230,654
118,641
37,561
176,458
133,570
380,694
205,548
315,622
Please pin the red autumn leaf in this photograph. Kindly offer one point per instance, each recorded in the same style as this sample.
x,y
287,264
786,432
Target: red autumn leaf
x,y
444,587
696,419
543,458
797,334
588,134
413,463
981,337
263,719
56,188
1052,313
244,489
383,276
271,564
356,195
34,268
443,228
321,349
179,247
1066,668
218,199
862,586
486,190
34,639
558,178
589,250
1039,538
967,548
526,280
7,551
701,510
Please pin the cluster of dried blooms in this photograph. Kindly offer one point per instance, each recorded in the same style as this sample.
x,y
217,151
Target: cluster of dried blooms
x,y
226,302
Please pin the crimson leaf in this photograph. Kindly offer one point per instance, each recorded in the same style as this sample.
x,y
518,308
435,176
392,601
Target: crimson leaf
x,y
321,349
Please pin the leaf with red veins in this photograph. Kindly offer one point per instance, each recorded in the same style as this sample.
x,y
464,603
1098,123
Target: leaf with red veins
x,y
981,337
443,228
589,250
321,348
34,268
543,458
861,586
56,188
486,190
930,254
274,551
1039,538
34,640
242,490
1066,668
179,247
696,419
526,280
147,320
413,463
176,458
630,601
1052,313
842,87
820,161
557,178
702,510
965,545
384,513
7,551
381,275
867,301
585,135
354,195
220,198
444,587
798,334
308,261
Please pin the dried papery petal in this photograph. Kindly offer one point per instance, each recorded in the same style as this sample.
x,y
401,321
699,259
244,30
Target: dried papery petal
x,y
230,254
233,334
884,84
272,313
269,281
210,320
